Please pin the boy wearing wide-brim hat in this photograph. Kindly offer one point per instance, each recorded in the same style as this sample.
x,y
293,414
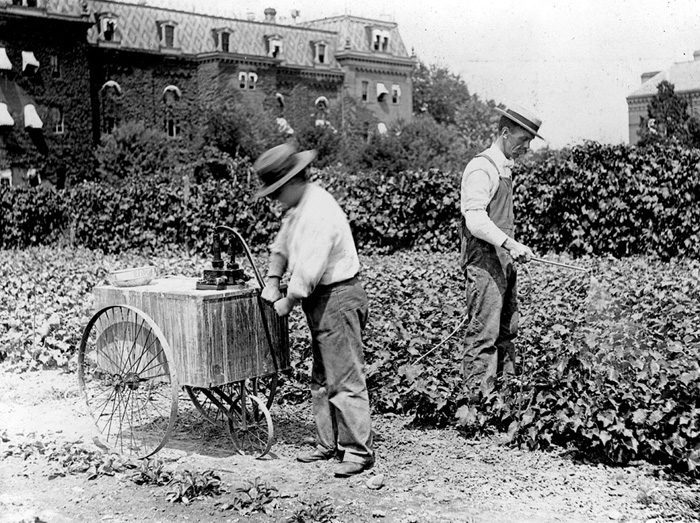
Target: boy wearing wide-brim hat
x,y
488,251
315,246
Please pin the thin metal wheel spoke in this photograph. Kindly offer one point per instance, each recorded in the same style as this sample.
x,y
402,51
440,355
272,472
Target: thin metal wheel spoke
x,y
108,401
149,367
136,412
145,349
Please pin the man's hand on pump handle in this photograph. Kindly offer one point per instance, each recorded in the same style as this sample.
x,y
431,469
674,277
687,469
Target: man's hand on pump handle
x,y
271,293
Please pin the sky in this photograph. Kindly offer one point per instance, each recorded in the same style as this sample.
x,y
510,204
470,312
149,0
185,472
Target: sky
x,y
571,62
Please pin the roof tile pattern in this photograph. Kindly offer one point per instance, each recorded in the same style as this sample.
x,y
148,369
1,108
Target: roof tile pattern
x,y
195,33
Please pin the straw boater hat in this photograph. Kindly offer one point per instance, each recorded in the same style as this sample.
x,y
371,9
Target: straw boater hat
x,y
278,165
523,118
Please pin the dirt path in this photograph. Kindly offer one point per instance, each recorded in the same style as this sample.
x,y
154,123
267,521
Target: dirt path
x,y
429,476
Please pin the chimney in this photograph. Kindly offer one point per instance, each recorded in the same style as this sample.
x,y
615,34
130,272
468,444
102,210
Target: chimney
x,y
270,15
250,16
649,75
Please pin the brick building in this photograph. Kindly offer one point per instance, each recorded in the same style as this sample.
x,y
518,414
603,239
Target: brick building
x,y
102,62
685,77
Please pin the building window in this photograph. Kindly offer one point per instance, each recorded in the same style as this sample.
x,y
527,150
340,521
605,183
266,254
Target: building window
x,y
321,104
5,63
55,66
26,3
166,34
57,120
225,42
274,46
247,80
380,40
6,177
108,27
29,62
365,90
321,55
171,101
395,94
382,92
110,106
222,38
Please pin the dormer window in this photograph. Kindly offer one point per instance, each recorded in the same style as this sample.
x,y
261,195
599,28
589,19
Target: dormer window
x,y
108,27
223,39
274,46
380,40
321,54
247,80
166,34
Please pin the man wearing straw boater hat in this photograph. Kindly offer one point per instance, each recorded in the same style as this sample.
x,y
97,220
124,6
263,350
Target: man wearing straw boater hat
x,y
315,246
487,253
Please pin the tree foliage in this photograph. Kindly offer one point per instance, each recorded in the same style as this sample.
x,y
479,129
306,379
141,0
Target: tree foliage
x,y
439,93
668,120
445,97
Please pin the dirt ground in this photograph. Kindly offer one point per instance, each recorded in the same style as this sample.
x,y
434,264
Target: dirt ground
x,y
425,475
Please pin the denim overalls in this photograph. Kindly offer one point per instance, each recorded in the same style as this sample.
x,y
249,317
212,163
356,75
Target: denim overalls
x,y
492,300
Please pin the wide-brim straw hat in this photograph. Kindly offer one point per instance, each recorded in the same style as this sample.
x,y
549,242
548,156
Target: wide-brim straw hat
x,y
278,165
523,118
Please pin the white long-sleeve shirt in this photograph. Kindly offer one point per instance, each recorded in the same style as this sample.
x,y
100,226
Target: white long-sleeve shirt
x,y
479,185
316,242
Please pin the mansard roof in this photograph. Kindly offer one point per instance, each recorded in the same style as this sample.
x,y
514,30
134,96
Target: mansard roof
x,y
196,33
63,10
354,34
685,77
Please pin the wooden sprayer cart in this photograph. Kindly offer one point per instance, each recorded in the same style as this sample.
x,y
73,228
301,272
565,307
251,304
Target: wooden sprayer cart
x,y
215,339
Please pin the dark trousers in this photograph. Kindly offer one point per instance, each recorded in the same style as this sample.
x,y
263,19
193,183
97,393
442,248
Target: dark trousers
x,y
336,316
492,307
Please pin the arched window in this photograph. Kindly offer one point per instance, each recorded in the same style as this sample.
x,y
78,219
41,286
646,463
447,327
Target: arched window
x,y
171,110
110,106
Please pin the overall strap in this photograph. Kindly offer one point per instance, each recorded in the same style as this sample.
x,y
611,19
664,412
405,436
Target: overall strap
x,y
484,155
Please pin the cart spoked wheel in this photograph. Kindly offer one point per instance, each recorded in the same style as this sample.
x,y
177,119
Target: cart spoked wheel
x,y
126,375
250,428
264,387
212,403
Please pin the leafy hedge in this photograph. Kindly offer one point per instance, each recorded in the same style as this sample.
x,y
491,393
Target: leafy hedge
x,y
592,199
618,200
608,365
31,216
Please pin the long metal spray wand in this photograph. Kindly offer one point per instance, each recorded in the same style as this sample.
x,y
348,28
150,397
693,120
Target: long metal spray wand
x,y
558,264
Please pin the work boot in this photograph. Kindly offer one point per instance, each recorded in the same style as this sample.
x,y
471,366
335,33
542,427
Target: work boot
x,y
315,455
350,468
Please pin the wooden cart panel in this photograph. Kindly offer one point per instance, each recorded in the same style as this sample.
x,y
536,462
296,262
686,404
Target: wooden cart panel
x,y
217,337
